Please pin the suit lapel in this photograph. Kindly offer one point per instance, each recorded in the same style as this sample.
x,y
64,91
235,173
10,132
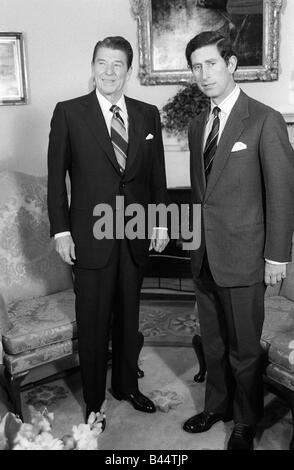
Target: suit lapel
x,y
233,129
136,120
95,121
196,145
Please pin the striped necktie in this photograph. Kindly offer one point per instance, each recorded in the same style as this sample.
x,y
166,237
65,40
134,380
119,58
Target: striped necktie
x,y
211,143
119,137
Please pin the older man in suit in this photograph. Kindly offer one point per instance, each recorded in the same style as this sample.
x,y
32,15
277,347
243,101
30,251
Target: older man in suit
x,y
242,174
110,145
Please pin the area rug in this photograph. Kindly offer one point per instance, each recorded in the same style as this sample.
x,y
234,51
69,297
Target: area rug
x,y
169,371
167,322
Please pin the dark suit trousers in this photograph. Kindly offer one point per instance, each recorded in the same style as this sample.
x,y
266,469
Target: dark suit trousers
x,y
231,321
107,299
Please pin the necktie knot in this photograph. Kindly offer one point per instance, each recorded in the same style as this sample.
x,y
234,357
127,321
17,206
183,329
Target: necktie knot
x,y
115,109
216,110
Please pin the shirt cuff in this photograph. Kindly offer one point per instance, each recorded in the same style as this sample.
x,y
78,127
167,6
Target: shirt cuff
x,y
61,234
275,262
160,228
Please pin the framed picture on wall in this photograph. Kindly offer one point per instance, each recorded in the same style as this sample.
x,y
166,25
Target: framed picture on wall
x,y
13,79
166,26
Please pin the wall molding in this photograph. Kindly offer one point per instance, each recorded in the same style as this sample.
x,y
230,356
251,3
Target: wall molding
x,y
289,117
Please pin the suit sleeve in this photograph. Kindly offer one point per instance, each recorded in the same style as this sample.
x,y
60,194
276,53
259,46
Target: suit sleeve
x,y
277,160
58,165
158,189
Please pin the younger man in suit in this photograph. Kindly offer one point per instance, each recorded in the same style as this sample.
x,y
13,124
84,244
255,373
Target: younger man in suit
x,y
242,174
111,146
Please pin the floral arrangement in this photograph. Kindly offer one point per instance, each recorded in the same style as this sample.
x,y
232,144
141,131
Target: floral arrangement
x,y
165,400
37,435
177,114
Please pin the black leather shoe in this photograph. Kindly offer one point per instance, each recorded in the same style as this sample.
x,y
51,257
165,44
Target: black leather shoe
x,y
103,421
203,421
140,373
137,400
241,437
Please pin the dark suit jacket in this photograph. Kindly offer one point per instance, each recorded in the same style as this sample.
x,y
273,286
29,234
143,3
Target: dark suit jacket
x,y
248,204
80,144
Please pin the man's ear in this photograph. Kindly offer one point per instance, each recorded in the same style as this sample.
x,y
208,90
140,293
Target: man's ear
x,y
232,63
92,72
129,73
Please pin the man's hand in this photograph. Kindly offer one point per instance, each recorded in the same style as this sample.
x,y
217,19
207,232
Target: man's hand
x,y
66,248
274,273
159,240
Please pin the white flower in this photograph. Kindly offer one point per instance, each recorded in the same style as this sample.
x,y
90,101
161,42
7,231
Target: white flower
x,y
47,442
43,441
16,435
85,437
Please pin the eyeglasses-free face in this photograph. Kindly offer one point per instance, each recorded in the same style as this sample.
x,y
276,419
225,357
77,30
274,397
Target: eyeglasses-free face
x,y
213,75
111,73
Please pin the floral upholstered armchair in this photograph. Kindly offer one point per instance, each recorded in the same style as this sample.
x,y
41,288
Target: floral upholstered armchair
x,y
37,319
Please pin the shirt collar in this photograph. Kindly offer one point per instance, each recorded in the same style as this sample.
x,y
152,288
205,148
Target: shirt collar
x,y
106,105
227,104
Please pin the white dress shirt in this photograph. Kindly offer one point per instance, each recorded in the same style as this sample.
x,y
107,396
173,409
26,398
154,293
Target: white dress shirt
x,y
105,106
225,107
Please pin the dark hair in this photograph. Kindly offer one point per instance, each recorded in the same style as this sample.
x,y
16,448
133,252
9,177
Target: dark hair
x,y
115,42
208,38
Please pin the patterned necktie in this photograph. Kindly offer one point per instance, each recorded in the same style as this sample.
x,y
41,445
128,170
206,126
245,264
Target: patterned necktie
x,y
119,137
211,143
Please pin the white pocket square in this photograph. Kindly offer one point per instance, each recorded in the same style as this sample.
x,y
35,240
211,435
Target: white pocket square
x,y
238,146
149,136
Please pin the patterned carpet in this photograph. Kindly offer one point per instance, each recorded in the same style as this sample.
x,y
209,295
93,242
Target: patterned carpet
x,y
167,322
168,380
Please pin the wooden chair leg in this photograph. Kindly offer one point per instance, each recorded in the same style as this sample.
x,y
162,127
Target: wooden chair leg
x,y
285,394
140,372
289,396
14,387
140,340
197,345
4,382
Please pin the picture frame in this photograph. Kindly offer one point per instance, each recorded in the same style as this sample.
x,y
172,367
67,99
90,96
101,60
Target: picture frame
x,y
166,26
13,76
